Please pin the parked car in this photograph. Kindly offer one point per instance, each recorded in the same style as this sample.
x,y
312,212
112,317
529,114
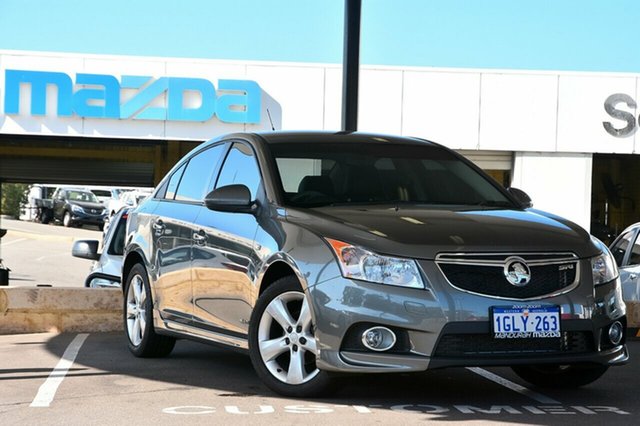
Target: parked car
x,y
77,207
108,195
626,251
107,266
128,199
352,253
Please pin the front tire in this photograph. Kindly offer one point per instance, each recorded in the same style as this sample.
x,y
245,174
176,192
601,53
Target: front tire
x,y
560,376
143,341
282,344
66,220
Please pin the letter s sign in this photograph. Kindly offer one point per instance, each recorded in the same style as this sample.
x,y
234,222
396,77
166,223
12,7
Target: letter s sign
x,y
610,105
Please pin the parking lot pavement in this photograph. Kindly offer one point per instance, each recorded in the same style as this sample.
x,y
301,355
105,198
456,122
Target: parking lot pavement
x,y
92,379
40,254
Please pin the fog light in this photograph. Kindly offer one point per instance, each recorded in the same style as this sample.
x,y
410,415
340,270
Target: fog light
x,y
378,339
615,333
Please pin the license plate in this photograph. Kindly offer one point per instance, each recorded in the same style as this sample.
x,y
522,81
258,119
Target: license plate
x,y
522,322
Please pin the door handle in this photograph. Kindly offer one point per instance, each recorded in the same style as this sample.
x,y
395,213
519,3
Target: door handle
x,y
199,237
633,276
158,227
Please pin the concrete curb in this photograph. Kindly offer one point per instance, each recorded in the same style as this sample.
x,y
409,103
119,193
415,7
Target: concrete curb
x,y
26,310
36,310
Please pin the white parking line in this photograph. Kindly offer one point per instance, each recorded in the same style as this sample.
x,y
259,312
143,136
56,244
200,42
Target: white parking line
x,y
513,386
8,243
49,388
49,256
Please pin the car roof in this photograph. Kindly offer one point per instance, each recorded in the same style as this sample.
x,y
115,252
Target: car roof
x,y
277,137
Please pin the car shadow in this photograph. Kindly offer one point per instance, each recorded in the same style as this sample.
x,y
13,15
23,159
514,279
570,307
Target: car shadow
x,y
453,394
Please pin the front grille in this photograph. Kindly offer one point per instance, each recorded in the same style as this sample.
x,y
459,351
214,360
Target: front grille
x,y
484,345
485,275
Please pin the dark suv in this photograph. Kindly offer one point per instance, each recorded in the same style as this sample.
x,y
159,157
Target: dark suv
x,y
324,254
77,207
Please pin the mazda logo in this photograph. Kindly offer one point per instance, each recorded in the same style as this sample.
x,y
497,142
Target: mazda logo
x,y
516,271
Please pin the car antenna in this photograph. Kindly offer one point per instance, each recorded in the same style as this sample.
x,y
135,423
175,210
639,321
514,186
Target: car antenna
x,y
270,120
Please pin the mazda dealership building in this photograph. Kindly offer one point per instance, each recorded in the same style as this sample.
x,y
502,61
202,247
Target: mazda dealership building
x,y
569,139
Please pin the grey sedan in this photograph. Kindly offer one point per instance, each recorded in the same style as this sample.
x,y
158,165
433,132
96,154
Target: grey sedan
x,y
323,254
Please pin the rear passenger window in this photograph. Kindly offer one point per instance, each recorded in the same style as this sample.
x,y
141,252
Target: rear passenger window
x,y
197,176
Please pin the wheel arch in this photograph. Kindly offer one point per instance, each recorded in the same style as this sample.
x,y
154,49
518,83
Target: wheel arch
x,y
277,268
132,258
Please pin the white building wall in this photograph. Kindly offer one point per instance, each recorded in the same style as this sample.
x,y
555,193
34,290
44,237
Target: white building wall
x,y
443,107
559,183
518,111
460,108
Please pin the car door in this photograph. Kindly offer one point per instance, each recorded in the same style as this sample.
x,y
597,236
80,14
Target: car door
x,y
626,251
173,230
58,203
223,262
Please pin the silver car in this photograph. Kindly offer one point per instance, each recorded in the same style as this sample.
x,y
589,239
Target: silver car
x,y
107,265
322,254
626,251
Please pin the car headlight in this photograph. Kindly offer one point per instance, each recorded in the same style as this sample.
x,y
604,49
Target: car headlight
x,y
360,264
603,266
77,209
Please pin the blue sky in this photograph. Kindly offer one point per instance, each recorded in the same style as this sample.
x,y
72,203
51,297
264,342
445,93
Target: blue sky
x,y
585,35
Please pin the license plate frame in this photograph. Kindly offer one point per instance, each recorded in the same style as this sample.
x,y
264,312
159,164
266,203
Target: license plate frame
x,y
525,321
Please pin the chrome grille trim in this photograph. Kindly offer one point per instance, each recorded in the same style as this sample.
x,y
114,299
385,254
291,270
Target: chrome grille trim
x,y
476,259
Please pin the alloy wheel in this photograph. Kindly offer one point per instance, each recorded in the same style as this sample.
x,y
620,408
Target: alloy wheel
x,y
286,340
136,311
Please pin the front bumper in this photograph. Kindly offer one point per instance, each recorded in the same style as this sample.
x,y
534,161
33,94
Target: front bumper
x,y
426,320
87,219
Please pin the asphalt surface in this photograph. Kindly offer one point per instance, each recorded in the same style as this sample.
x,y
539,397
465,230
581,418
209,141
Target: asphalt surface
x,y
200,384
84,379
40,254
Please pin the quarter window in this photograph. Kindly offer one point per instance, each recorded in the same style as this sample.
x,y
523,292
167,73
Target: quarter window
x,y
173,183
197,176
240,167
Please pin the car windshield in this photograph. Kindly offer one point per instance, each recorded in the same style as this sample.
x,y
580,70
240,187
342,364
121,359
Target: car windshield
x,y
82,196
321,174
101,192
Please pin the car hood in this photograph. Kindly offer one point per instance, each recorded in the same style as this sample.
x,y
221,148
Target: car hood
x,y
425,232
87,205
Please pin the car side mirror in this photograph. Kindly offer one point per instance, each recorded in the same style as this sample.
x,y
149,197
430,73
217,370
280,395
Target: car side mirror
x,y
524,201
86,249
230,198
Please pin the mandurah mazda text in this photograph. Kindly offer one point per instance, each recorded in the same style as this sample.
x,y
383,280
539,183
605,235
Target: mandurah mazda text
x,y
323,254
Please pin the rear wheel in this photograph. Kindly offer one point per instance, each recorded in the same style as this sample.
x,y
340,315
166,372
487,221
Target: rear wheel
x,y
560,376
138,318
282,344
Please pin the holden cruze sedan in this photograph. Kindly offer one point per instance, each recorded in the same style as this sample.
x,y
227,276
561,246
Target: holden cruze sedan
x,y
323,254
